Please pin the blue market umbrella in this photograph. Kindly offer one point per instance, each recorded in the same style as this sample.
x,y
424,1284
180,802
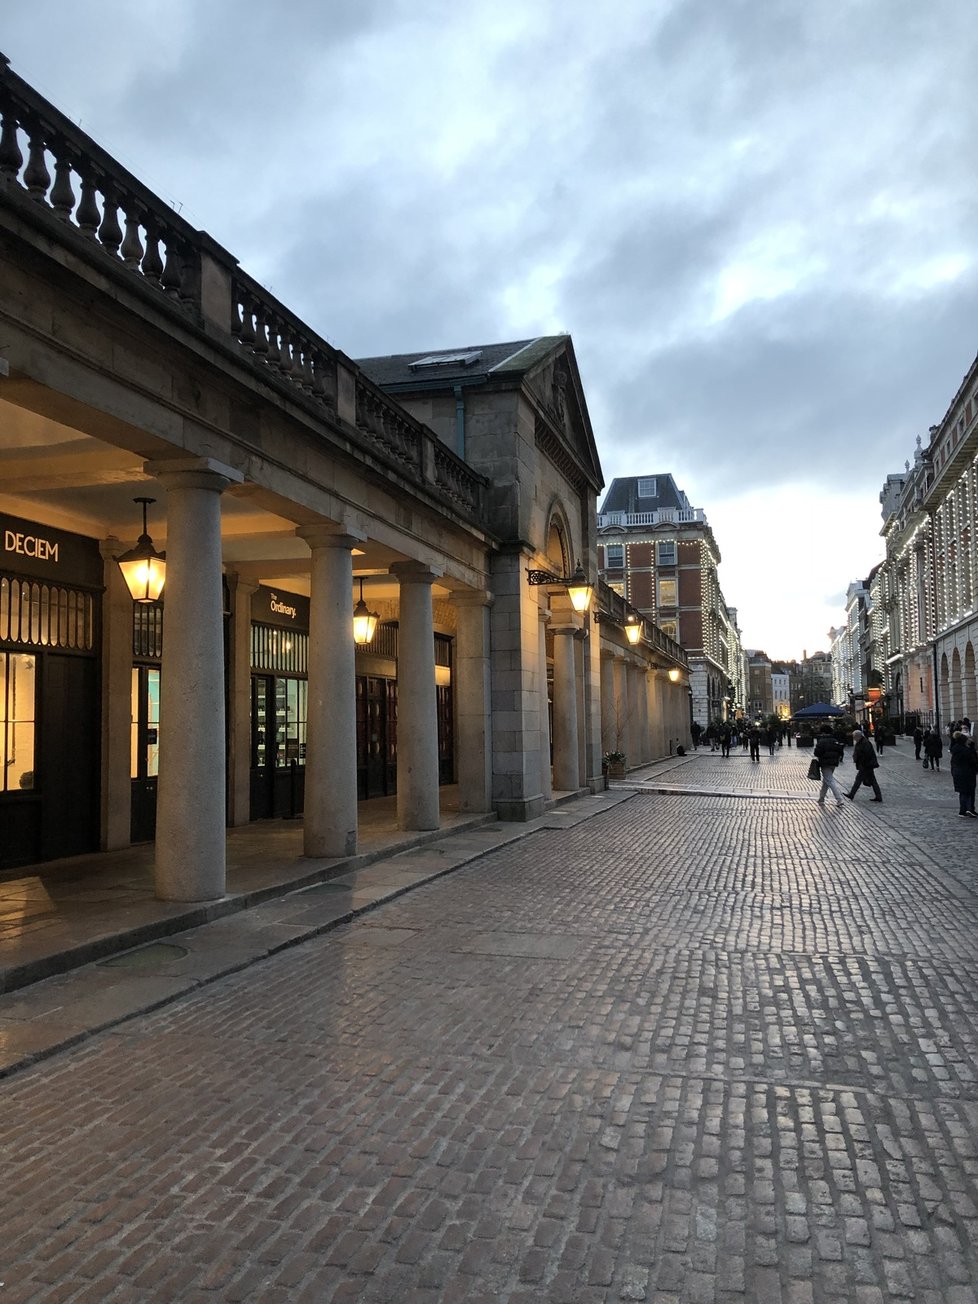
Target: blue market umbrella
x,y
818,709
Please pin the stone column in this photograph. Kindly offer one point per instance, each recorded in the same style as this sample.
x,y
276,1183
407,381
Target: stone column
x,y
417,721
546,751
633,749
472,712
608,743
566,765
239,704
192,800
642,693
329,825
117,624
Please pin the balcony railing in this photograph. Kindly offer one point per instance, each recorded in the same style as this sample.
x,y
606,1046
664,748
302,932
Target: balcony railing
x,y
661,516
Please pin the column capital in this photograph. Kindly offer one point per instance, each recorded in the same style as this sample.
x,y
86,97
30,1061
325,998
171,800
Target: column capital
x,y
329,535
471,598
194,473
568,631
414,572
110,548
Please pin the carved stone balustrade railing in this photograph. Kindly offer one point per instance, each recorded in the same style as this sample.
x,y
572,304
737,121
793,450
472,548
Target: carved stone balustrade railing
x,y
277,339
47,159
62,169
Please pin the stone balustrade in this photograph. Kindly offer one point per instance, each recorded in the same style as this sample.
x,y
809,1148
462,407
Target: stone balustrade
x,y
44,155
63,170
612,608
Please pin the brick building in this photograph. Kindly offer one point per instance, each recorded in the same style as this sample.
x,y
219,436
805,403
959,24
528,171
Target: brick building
x,y
660,553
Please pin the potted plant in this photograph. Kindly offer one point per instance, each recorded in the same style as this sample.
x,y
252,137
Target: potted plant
x,y
613,763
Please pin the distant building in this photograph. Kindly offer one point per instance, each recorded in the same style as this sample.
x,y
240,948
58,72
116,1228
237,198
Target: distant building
x,y
659,553
761,688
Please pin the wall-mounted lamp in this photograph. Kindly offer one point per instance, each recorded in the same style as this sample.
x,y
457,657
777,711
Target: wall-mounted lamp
x,y
633,629
579,588
364,621
675,675
143,568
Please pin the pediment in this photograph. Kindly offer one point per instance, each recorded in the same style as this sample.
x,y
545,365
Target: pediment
x,y
563,426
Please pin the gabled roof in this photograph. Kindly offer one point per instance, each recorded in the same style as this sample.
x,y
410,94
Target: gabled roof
x,y
525,364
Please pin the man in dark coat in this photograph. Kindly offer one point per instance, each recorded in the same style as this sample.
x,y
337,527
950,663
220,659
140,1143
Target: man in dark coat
x,y
933,749
918,738
964,772
864,759
829,753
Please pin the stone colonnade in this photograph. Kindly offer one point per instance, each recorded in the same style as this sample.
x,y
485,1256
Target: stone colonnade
x,y
197,795
643,714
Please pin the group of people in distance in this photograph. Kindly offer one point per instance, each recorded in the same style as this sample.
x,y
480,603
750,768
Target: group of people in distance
x,y
829,751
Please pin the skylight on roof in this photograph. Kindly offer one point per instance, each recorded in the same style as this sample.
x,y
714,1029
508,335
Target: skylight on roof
x,y
447,359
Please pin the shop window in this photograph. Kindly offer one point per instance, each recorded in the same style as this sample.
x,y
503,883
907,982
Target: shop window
x,y
284,650
46,615
291,698
17,721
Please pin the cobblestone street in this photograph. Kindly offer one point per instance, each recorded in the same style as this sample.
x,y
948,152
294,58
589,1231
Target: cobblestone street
x,y
715,1043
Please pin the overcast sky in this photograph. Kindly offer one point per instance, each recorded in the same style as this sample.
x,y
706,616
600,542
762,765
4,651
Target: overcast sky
x,y
756,218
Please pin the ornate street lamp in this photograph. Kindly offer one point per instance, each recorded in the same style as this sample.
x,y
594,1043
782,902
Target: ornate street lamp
x,y
143,568
579,588
633,629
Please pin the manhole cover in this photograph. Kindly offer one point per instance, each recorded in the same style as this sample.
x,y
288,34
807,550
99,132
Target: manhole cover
x,y
147,957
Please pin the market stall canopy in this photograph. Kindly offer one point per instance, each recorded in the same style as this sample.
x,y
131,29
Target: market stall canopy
x,y
816,710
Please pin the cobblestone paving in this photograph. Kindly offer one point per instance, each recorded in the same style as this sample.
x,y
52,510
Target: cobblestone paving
x,y
697,1048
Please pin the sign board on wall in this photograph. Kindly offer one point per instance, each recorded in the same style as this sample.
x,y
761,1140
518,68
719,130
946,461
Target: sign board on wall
x,y
41,552
276,607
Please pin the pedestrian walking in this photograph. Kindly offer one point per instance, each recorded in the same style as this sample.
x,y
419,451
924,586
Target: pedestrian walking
x,y
964,772
772,741
754,738
864,759
829,753
918,738
933,750
725,740
878,739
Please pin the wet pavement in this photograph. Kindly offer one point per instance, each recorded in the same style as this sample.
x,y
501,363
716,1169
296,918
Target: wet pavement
x,y
695,1039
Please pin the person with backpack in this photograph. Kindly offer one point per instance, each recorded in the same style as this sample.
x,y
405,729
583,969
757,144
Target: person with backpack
x,y
829,753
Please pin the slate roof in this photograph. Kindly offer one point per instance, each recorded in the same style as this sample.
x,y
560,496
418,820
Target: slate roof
x,y
396,371
622,496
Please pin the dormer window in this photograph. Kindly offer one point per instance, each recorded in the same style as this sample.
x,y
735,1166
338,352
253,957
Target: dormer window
x,y
646,487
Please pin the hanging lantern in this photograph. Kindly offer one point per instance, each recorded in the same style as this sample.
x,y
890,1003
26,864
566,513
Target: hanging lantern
x,y
143,568
364,622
